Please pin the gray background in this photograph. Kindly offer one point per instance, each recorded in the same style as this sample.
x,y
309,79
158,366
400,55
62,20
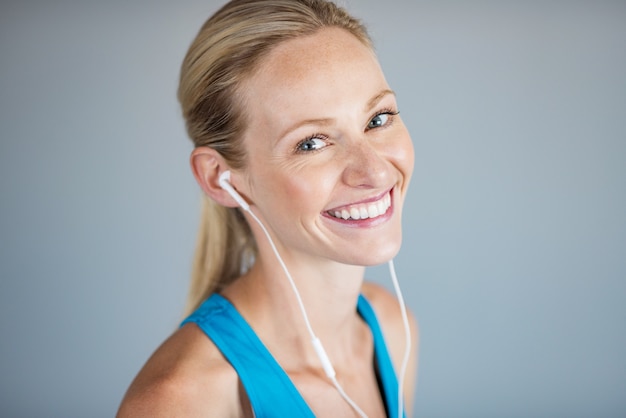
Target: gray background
x,y
514,258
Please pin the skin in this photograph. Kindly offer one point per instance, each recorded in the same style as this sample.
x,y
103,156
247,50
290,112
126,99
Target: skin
x,y
322,135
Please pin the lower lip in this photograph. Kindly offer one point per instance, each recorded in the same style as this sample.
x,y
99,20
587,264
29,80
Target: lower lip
x,y
365,223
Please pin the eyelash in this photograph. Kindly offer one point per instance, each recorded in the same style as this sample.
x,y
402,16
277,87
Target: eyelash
x,y
308,138
385,111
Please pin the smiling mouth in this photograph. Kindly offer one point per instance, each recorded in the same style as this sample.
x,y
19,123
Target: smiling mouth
x,y
364,210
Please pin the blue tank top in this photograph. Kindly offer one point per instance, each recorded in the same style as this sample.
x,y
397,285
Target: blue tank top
x,y
269,389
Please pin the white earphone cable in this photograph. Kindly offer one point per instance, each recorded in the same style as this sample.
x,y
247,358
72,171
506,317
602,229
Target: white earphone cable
x,y
284,267
317,344
407,334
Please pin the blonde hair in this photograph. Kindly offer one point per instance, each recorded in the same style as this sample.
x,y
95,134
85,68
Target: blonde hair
x,y
225,52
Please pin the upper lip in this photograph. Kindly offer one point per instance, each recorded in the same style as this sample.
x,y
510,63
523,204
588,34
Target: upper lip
x,y
361,202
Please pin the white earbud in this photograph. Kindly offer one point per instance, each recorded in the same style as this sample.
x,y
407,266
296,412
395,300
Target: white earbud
x,y
224,184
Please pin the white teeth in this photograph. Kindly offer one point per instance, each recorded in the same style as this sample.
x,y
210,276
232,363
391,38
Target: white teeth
x,y
380,206
371,210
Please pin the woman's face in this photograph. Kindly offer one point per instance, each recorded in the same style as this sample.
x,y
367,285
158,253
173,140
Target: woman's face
x,y
328,158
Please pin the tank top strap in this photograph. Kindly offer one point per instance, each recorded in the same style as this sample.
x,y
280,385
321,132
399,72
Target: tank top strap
x,y
384,366
271,392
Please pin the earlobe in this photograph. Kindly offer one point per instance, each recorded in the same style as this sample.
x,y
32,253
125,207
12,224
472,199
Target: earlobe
x,y
207,164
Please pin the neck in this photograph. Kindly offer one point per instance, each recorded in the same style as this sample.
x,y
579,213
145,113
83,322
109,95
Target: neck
x,y
329,293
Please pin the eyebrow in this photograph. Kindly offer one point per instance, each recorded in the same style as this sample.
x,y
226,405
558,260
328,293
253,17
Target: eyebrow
x,y
326,121
374,100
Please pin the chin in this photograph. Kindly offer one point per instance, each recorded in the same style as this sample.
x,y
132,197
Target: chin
x,y
376,254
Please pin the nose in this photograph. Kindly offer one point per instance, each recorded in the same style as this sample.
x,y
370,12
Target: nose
x,y
366,167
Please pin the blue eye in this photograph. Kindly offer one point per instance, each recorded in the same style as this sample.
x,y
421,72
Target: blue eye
x,y
383,118
311,144
378,121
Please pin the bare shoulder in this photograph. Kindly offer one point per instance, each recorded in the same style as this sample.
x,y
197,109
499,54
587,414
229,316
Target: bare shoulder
x,y
388,312
389,316
186,376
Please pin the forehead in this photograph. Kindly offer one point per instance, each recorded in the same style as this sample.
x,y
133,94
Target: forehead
x,y
329,46
307,76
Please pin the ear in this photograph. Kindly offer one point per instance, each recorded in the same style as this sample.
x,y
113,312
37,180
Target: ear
x,y
207,164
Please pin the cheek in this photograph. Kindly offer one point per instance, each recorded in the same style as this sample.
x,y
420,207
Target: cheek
x,y
404,154
307,191
290,191
299,179
398,150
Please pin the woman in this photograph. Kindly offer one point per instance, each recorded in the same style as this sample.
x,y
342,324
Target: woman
x,y
292,119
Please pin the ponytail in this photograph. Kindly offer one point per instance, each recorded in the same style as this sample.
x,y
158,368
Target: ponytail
x,y
225,249
211,92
